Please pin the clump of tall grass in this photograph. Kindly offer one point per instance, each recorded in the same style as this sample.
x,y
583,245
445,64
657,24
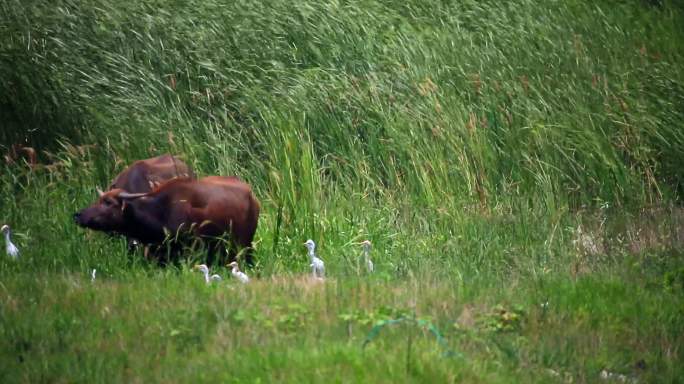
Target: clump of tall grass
x,y
426,120
473,103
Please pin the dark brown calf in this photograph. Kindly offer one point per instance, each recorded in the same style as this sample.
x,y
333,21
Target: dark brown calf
x,y
145,175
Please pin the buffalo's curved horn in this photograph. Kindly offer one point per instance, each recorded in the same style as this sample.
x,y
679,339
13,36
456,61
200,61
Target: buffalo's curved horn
x,y
126,195
99,191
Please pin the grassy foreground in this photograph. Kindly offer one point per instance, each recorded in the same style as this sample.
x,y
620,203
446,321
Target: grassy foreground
x,y
517,166
169,326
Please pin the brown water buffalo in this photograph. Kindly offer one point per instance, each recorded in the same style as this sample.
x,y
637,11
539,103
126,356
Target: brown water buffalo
x,y
206,209
145,175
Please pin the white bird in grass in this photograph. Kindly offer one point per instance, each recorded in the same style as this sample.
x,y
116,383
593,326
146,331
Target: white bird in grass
x,y
366,251
317,265
92,275
12,250
205,271
241,276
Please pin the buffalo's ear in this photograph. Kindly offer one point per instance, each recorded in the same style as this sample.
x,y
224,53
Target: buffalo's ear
x,y
127,209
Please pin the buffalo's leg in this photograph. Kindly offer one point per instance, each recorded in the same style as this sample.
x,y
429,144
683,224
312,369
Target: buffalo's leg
x,y
249,260
216,252
132,245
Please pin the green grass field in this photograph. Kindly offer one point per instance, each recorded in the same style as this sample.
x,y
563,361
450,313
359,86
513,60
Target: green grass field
x,y
517,166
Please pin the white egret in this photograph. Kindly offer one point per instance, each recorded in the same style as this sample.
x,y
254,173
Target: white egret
x,y
317,265
366,251
205,271
12,250
241,276
92,275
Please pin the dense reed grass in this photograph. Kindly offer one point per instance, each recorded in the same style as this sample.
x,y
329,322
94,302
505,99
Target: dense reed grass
x,y
517,166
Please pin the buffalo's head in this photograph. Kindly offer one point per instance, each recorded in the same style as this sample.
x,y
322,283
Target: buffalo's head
x,y
109,212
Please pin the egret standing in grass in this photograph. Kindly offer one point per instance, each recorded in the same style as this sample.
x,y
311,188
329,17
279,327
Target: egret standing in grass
x,y
205,271
92,275
241,276
366,244
12,250
317,265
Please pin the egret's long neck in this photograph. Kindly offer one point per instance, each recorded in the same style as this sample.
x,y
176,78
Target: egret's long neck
x,y
312,253
366,252
206,276
7,237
